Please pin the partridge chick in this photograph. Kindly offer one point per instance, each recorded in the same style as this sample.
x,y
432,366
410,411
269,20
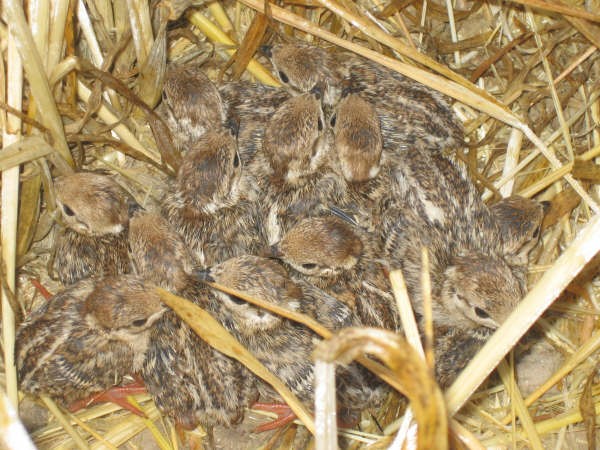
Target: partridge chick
x,y
283,347
471,284
192,105
339,259
296,146
94,210
211,202
190,382
520,221
85,339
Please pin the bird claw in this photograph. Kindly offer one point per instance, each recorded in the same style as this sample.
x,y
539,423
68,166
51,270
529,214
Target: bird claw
x,y
284,413
117,395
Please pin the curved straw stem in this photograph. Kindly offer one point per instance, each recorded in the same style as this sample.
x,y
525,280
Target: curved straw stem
x,y
415,378
456,87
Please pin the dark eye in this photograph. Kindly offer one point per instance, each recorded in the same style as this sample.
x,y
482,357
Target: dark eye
x,y
283,77
320,125
236,160
309,266
481,313
68,211
536,233
139,322
236,300
332,120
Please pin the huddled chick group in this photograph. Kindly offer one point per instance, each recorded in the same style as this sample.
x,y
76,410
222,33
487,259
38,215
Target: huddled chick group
x,y
304,196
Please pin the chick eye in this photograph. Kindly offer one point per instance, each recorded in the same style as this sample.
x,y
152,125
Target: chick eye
x,y
236,300
68,211
309,266
236,160
481,313
536,233
139,322
320,124
283,77
332,120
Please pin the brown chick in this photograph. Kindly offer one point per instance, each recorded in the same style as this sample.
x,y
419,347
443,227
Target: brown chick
x,y
296,146
520,220
158,253
358,145
340,259
410,112
294,142
251,106
94,210
357,138
284,347
85,339
190,382
302,66
192,104
211,203
472,285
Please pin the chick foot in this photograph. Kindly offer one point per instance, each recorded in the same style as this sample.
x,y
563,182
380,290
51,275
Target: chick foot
x,y
117,395
284,413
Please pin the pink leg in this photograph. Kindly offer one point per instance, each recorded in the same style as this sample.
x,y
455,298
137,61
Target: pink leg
x,y
41,289
284,413
117,395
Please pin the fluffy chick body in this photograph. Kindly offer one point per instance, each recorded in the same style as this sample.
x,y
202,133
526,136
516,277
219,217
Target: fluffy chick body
x,y
95,215
297,148
211,203
190,382
340,259
283,347
192,105
85,339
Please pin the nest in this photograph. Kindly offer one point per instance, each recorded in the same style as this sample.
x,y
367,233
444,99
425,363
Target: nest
x,y
525,79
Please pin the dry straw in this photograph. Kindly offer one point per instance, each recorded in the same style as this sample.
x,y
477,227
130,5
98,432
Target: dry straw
x,y
525,77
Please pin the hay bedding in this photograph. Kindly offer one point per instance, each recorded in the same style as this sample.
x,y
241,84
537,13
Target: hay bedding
x,y
532,130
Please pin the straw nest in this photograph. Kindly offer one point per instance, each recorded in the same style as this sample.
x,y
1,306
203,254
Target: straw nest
x,y
525,78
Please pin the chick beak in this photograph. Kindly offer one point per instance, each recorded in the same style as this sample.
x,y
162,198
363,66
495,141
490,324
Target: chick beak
x,y
275,251
546,206
266,50
203,275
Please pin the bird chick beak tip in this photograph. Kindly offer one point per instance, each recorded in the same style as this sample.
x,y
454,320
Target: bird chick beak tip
x,y
203,275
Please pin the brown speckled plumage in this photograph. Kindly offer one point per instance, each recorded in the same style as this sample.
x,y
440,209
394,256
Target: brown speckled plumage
x,y
211,200
86,338
95,213
157,252
454,348
297,147
189,381
410,112
340,259
472,284
192,105
519,220
251,106
282,346
358,141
